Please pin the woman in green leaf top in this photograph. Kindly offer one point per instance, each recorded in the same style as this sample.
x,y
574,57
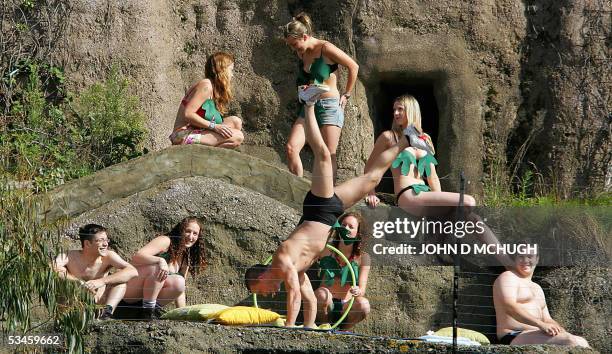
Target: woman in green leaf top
x,y
318,64
336,288
199,119
414,165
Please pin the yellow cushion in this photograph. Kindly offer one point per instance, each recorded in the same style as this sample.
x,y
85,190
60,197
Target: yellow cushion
x,y
241,315
463,332
200,312
325,326
280,322
211,310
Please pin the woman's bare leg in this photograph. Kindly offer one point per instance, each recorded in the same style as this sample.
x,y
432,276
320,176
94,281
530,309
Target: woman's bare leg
x,y
233,122
210,138
234,141
358,313
237,137
294,146
445,203
174,286
351,191
331,137
145,286
433,203
322,170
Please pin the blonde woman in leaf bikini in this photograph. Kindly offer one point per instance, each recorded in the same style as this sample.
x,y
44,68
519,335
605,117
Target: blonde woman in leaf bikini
x,y
199,119
416,164
318,64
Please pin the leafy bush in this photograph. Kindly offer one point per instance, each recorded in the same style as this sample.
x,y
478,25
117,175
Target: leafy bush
x,y
45,141
24,268
112,120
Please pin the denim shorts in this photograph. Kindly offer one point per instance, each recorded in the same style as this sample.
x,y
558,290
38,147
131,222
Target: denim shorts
x,y
327,111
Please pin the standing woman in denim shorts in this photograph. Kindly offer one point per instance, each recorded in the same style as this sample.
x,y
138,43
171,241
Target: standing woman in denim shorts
x,y
318,63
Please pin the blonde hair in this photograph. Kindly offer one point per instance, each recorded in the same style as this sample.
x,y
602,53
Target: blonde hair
x,y
216,70
300,25
413,116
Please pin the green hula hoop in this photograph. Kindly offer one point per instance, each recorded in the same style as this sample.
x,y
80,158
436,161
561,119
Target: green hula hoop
x,y
354,280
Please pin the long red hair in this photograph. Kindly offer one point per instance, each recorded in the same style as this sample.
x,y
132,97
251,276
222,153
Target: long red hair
x,y
194,255
217,71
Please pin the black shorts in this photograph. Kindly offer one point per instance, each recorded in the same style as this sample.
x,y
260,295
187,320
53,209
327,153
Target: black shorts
x,y
336,312
323,210
509,337
128,311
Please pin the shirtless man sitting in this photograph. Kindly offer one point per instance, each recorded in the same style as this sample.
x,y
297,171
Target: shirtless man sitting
x,y
521,311
91,265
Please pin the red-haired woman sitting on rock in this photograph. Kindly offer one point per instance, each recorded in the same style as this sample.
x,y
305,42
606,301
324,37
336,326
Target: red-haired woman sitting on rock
x,y
199,118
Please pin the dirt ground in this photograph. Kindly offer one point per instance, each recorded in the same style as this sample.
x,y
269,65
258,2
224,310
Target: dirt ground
x,y
191,337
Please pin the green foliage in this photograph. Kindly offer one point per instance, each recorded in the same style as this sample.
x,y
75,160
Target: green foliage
x,y
27,4
530,190
28,278
35,137
113,121
46,138
44,141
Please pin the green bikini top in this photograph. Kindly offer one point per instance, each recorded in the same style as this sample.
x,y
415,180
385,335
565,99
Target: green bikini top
x,y
330,270
209,111
406,158
319,71
164,255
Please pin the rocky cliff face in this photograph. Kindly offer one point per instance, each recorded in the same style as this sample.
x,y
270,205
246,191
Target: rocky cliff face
x,y
565,117
486,73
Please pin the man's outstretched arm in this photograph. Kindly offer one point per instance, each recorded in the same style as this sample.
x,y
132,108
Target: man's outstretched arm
x,y
292,285
309,299
124,273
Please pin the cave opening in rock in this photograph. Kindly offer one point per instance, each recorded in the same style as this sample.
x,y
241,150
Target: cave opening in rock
x,y
386,92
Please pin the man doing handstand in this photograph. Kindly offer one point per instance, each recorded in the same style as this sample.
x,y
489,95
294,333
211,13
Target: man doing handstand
x,y
322,207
